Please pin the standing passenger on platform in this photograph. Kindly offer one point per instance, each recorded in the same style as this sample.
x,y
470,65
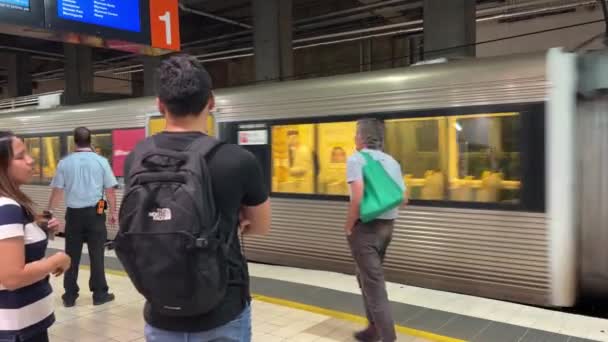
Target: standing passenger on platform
x,y
368,241
26,298
233,181
83,177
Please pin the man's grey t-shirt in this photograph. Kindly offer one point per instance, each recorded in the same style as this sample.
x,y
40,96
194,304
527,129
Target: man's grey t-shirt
x,y
354,172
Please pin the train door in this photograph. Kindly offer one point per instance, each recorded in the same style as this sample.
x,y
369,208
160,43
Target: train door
x,y
252,137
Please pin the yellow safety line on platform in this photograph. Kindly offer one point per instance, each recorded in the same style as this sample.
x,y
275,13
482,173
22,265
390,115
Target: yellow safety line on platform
x,y
327,312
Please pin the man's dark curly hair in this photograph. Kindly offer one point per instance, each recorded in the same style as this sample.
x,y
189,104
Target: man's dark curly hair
x,y
184,85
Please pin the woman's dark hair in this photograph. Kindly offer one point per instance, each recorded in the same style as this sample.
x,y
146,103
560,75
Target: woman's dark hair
x,y
7,187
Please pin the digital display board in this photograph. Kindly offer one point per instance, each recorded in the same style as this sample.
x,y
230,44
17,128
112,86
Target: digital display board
x,y
117,14
21,13
21,5
148,27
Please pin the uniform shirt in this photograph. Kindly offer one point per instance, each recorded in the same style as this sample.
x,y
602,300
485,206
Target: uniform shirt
x,y
354,172
237,180
83,176
27,311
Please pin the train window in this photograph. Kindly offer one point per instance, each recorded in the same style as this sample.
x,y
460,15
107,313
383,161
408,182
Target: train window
x,y
33,148
293,166
419,146
336,142
51,154
102,145
467,158
484,163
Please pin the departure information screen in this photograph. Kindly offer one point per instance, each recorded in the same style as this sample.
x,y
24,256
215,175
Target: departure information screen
x,y
22,5
117,14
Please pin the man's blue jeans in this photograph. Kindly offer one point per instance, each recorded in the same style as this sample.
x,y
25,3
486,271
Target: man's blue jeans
x,y
238,330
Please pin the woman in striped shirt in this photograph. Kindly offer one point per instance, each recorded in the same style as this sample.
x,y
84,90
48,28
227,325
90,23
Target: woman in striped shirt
x,y
26,302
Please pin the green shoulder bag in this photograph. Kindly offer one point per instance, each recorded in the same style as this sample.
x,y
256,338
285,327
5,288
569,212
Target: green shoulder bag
x,y
381,192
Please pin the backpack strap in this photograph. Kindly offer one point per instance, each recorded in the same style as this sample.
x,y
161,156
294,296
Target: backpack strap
x,y
201,148
204,145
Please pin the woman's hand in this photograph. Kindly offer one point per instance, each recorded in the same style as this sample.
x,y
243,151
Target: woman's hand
x,y
54,226
62,263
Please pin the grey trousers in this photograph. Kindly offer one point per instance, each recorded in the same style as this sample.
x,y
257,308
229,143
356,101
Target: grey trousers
x,y
368,243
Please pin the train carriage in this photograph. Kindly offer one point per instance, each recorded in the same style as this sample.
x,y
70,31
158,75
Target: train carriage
x,y
488,148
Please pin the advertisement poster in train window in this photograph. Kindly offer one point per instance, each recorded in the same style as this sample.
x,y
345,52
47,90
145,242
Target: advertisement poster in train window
x,y
124,141
156,124
336,142
293,159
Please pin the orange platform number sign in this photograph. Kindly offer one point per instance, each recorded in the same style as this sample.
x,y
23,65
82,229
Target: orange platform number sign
x,y
164,24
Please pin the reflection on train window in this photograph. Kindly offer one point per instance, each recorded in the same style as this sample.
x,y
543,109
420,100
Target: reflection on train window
x,y
293,168
335,143
33,148
102,145
51,153
419,146
485,158
471,158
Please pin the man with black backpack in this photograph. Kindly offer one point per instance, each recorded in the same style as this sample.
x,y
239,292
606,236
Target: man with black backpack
x,y
186,197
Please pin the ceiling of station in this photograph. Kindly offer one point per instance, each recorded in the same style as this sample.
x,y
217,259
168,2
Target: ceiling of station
x,y
210,27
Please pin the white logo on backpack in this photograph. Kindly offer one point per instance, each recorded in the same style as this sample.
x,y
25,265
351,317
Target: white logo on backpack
x,y
161,214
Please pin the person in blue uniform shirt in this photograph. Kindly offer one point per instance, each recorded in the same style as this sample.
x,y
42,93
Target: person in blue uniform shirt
x,y
83,177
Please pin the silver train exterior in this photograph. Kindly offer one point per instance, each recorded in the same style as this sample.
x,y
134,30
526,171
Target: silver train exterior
x,y
530,257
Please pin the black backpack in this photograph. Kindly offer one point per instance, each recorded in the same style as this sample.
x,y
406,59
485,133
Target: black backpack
x,y
170,238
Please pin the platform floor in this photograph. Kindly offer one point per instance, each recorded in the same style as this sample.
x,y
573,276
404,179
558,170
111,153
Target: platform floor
x,y
122,321
292,304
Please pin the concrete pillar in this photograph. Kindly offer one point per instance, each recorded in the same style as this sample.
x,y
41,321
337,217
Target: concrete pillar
x,y
273,35
144,83
78,73
19,75
449,28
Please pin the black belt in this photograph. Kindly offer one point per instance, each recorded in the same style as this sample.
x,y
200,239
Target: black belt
x,y
83,208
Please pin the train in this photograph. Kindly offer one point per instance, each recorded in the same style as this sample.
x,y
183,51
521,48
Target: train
x,y
503,157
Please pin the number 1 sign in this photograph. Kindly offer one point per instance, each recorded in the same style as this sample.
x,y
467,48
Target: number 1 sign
x,y
164,24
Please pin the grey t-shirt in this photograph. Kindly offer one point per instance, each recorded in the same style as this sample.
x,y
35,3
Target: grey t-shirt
x,y
354,172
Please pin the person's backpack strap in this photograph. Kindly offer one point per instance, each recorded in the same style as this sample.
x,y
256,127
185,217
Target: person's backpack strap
x,y
206,146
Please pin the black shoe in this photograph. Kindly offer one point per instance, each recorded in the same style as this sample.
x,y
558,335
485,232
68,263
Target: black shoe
x,y
69,301
108,297
368,335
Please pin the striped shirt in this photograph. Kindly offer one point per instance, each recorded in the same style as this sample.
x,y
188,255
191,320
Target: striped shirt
x,y
29,310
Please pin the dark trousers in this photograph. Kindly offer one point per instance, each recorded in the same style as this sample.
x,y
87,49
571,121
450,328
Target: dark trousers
x,y
84,225
41,337
368,243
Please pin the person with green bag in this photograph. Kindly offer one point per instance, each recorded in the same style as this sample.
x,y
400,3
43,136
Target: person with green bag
x,y
376,192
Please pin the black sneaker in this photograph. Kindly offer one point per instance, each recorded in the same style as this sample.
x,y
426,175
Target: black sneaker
x,y
108,297
69,301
